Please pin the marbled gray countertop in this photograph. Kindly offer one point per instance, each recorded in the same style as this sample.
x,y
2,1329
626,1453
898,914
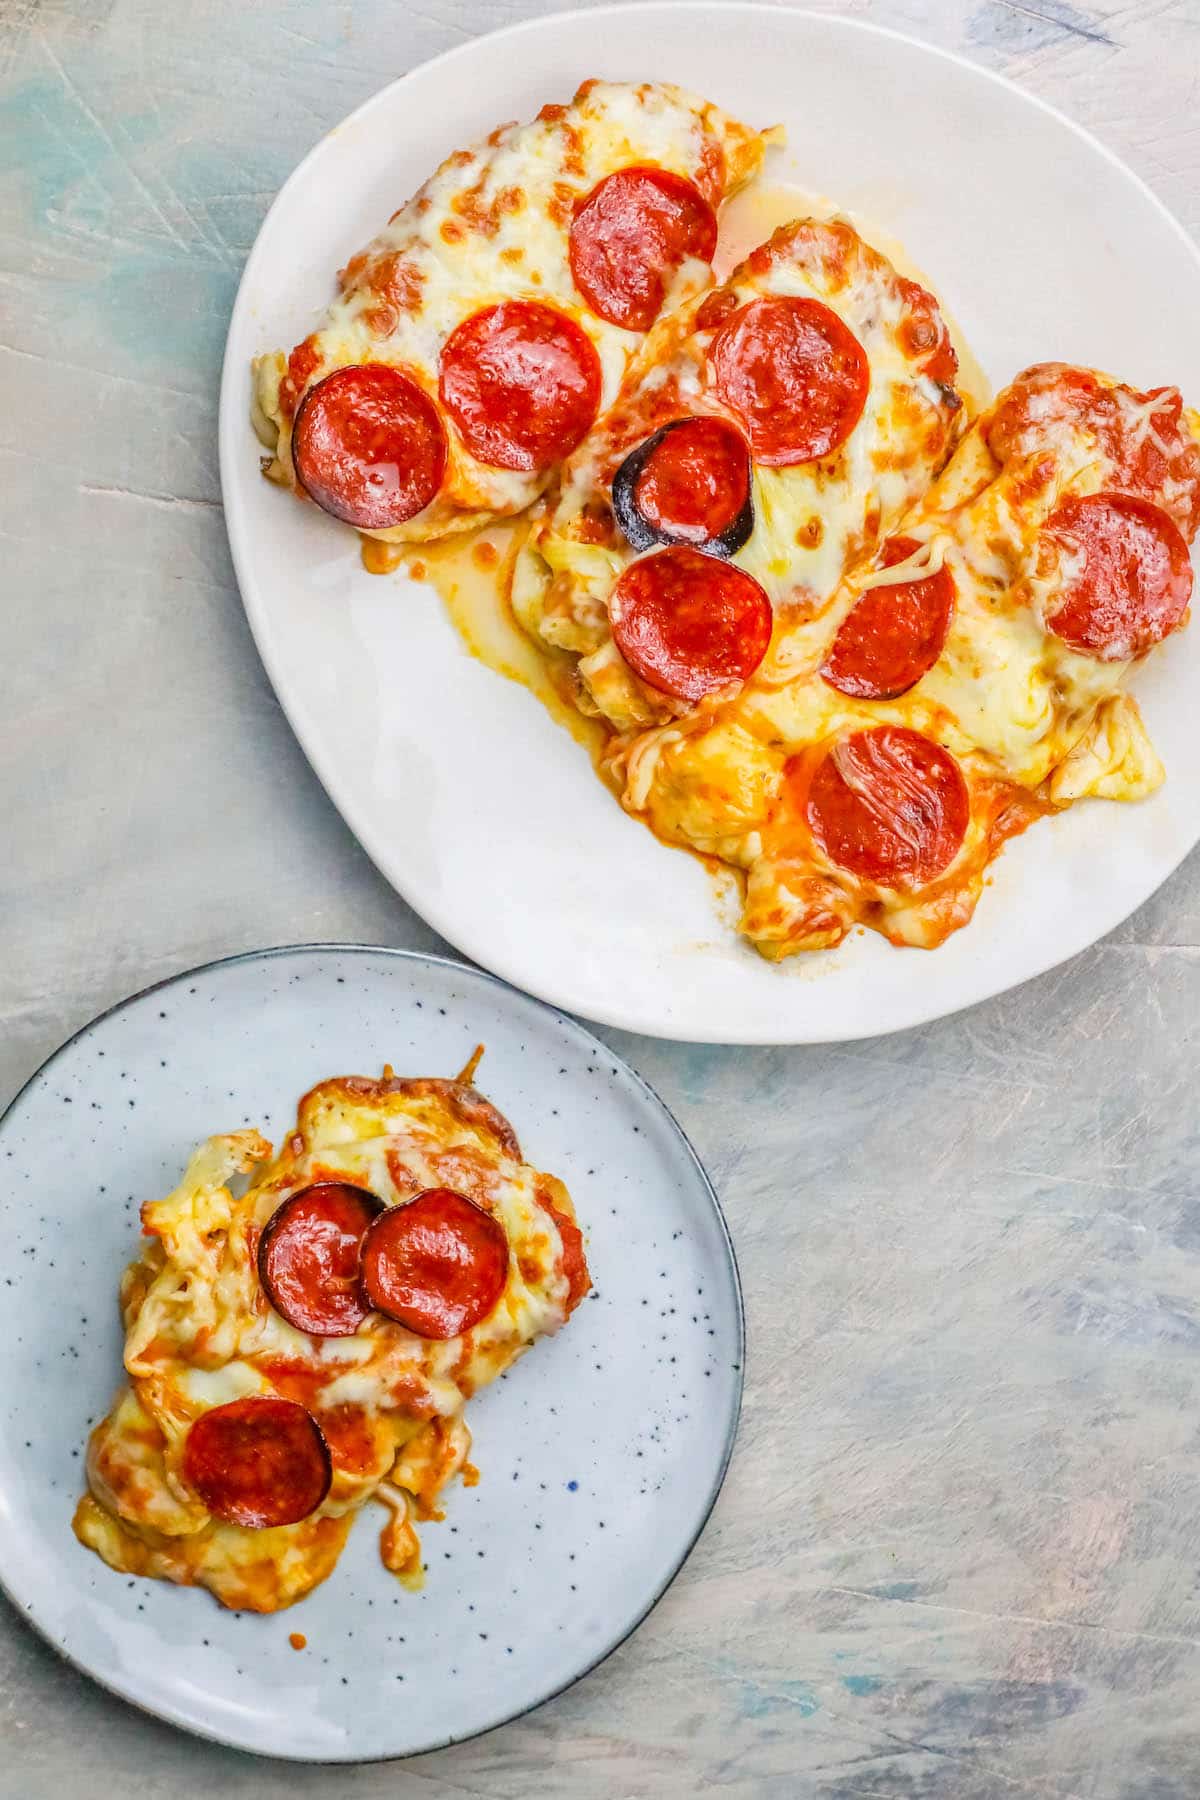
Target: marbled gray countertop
x,y
957,1554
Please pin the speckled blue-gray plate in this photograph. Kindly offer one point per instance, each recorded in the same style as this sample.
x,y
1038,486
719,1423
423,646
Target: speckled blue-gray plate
x,y
601,1454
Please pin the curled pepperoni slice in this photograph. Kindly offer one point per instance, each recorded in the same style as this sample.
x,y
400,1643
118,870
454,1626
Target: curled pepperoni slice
x,y
308,1258
630,235
893,634
437,1264
1128,576
258,1462
368,446
687,484
795,376
522,383
889,805
689,625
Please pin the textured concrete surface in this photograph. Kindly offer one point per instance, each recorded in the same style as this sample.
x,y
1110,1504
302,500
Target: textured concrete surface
x,y
956,1556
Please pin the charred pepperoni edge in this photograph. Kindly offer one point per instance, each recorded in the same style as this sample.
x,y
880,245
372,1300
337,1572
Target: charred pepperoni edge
x,y
392,1219
278,1221
464,1101
207,1492
644,536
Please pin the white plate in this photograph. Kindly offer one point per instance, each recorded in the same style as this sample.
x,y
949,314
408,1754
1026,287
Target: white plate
x,y
1041,244
601,1456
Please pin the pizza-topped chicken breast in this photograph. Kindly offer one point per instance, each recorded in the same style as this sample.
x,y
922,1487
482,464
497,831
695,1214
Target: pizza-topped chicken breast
x,y
767,435
966,678
479,335
833,634
297,1349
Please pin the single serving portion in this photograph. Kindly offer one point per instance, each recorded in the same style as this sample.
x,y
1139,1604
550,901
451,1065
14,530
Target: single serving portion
x,y
308,1344
479,335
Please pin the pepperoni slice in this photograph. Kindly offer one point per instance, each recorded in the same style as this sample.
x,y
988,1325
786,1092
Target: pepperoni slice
x,y
687,484
437,1264
893,634
522,383
795,376
258,1462
368,446
308,1258
889,805
1128,574
630,235
1144,437
689,625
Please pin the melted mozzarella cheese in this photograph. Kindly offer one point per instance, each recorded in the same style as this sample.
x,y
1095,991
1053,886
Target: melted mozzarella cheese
x,y
811,520
492,224
1113,760
1005,686
1033,724
201,1333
